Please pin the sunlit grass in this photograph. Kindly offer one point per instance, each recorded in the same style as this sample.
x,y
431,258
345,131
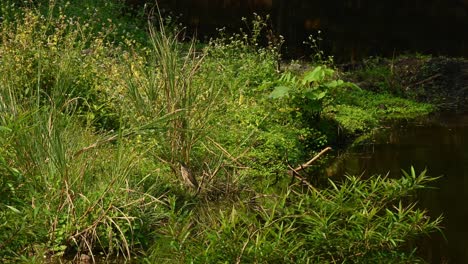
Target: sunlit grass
x,y
94,125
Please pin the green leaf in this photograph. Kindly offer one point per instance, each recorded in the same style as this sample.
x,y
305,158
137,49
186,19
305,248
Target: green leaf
x,y
321,95
279,92
315,95
315,75
334,83
13,209
328,72
288,78
6,129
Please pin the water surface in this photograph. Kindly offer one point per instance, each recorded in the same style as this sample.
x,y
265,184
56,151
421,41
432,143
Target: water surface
x,y
439,144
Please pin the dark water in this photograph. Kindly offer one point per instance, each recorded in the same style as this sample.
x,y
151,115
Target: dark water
x,y
439,144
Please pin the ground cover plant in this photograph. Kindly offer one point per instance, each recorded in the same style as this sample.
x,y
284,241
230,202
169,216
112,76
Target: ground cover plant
x,y
99,125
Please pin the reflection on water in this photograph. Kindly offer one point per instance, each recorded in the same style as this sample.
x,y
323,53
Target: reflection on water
x,y
441,146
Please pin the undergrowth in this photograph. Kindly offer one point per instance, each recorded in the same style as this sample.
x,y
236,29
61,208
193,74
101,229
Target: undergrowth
x,y
100,128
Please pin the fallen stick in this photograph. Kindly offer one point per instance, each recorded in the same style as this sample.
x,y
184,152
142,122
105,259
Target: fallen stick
x,y
294,172
94,145
425,80
307,164
296,175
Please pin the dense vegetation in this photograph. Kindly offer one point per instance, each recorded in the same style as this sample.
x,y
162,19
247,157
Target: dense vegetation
x,y
98,112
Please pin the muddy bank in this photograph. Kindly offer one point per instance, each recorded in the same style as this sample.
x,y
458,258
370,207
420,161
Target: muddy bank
x,y
440,81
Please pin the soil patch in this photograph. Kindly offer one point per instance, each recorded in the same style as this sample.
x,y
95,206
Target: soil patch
x,y
440,81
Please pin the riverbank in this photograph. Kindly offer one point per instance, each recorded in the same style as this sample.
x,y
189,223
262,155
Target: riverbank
x,y
440,81
437,144
118,141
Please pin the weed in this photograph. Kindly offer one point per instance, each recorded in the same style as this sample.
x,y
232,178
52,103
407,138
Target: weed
x,y
318,54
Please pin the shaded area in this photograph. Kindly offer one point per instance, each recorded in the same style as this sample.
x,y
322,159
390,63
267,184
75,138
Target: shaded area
x,y
441,146
440,81
352,29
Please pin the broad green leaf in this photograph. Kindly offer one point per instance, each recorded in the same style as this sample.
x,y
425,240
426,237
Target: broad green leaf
x,y
321,95
280,92
328,72
315,95
334,83
315,75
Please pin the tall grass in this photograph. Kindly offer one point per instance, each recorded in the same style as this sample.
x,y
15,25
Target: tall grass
x,y
66,189
92,132
357,221
166,83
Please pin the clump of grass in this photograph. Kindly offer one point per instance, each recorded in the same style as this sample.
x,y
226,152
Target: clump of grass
x,y
167,88
357,221
92,131
79,191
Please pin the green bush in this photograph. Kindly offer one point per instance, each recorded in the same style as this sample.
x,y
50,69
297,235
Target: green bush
x,y
357,221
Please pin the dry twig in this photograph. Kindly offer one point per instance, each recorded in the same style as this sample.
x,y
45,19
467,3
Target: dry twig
x,y
308,163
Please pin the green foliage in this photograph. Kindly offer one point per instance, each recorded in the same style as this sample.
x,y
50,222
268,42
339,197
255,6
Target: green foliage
x,y
397,76
167,88
358,110
57,197
319,93
93,123
58,59
378,74
357,221
305,97
239,61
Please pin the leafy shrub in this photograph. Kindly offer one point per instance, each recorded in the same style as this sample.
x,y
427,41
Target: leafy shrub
x,y
357,221
307,94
